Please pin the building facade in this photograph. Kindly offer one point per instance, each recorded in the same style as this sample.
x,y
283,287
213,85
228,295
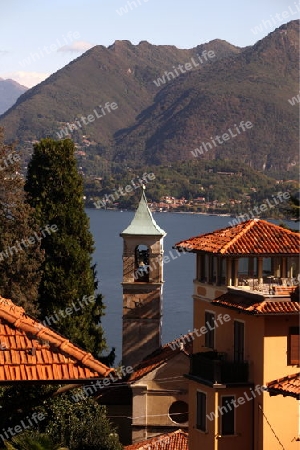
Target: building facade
x,y
246,329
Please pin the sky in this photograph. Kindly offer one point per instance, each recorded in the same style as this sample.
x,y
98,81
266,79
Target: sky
x,y
39,37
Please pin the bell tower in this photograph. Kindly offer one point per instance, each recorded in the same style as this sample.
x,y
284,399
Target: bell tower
x,y
142,285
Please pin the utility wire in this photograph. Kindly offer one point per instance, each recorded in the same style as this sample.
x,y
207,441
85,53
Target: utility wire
x,y
114,384
148,415
271,427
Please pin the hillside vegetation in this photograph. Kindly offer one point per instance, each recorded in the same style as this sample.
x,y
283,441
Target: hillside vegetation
x,y
158,125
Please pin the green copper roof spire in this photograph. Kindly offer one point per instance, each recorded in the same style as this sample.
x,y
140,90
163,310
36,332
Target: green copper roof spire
x,y
143,222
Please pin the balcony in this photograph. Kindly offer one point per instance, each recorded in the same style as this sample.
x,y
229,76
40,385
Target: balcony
x,y
213,366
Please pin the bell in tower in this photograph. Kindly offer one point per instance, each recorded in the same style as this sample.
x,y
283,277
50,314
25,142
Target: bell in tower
x,y
142,285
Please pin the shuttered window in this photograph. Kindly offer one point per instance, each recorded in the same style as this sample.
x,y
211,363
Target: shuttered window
x,y
210,325
227,418
239,337
293,346
201,411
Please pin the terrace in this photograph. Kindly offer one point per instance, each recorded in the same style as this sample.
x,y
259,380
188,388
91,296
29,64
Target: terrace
x,y
255,256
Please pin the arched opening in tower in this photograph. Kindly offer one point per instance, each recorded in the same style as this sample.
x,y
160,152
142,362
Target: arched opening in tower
x,y
142,267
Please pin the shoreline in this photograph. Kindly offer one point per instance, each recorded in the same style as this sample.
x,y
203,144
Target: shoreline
x,y
194,213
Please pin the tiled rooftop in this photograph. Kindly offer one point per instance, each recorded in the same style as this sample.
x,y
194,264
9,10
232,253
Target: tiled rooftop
x,y
253,237
178,440
286,386
31,351
160,356
255,304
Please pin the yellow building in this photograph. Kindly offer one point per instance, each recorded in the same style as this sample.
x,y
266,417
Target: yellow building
x,y
246,329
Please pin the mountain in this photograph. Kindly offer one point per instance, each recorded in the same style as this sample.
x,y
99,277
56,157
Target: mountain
x,y
166,111
122,73
254,86
10,91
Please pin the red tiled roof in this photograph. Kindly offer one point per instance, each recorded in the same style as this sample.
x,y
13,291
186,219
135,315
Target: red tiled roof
x,y
32,351
286,386
253,237
256,304
162,355
178,440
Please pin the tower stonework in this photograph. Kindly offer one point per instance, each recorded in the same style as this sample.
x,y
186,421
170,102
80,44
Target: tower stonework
x,y
142,286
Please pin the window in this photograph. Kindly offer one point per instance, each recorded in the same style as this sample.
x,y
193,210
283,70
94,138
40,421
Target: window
x,y
201,411
210,325
227,416
239,336
178,412
293,346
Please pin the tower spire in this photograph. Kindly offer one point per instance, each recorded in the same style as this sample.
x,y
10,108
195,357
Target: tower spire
x,y
143,222
142,285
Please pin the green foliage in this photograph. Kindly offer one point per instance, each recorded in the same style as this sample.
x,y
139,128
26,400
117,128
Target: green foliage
x,y
56,192
160,125
17,402
32,441
67,425
81,425
220,180
294,207
254,85
19,262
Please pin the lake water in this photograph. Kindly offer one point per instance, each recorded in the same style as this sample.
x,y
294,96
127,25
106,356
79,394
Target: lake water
x,y
179,273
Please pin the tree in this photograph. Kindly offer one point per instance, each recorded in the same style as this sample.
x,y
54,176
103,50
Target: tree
x,y
294,207
66,425
66,293
81,425
20,253
32,441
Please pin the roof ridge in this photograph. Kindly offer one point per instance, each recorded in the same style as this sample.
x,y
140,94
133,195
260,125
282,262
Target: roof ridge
x,y
234,240
241,302
178,338
278,227
180,431
145,444
258,306
18,318
287,377
250,224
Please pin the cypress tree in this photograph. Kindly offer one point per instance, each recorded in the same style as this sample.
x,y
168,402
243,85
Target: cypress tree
x,y
68,284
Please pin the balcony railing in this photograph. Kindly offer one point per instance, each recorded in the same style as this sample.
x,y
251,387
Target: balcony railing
x,y
212,366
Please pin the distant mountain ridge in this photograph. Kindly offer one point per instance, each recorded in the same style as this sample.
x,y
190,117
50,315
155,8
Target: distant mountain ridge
x,y
159,123
254,85
10,91
122,73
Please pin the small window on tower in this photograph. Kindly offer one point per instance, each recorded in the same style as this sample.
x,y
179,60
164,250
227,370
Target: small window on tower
x,y
142,267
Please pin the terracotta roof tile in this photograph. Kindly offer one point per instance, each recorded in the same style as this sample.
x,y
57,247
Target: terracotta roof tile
x,y
286,386
162,355
255,304
32,351
178,440
253,237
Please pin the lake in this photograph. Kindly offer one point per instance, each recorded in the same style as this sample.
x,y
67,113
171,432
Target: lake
x,y
179,273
